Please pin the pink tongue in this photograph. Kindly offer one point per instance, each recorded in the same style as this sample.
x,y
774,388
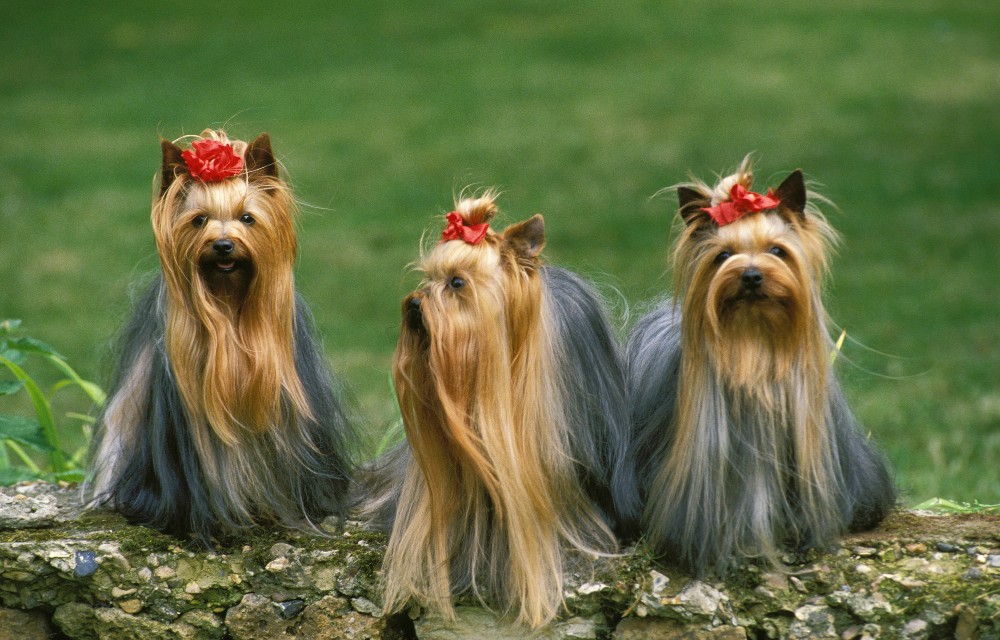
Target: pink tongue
x,y
226,266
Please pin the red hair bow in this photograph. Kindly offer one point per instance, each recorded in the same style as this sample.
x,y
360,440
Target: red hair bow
x,y
212,161
740,203
456,229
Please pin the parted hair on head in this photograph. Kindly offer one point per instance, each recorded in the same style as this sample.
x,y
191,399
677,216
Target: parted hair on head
x,y
223,413
744,441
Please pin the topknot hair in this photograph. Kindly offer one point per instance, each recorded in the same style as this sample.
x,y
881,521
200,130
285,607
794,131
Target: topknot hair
x,y
720,192
478,209
218,135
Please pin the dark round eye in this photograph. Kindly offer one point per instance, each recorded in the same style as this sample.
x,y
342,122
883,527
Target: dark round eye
x,y
723,256
777,251
456,283
247,219
199,221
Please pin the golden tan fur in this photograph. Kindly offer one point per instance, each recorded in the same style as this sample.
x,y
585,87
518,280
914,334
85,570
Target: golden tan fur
x,y
232,350
223,413
492,496
759,362
782,340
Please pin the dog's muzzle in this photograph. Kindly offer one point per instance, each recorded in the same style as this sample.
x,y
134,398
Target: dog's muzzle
x,y
412,315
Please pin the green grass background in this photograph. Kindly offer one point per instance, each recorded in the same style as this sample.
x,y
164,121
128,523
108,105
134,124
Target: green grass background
x,y
579,110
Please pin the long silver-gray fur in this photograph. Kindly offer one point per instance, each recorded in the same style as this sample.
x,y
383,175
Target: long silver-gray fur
x,y
741,501
144,463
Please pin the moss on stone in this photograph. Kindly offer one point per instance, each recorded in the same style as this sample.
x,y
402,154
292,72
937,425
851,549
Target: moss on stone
x,y
916,575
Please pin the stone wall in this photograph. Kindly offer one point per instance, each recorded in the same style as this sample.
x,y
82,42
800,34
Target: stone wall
x,y
67,574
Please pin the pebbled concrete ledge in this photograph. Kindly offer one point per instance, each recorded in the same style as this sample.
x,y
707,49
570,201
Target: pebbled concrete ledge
x,y
71,574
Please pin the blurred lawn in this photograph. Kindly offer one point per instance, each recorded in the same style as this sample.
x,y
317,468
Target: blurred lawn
x,y
581,111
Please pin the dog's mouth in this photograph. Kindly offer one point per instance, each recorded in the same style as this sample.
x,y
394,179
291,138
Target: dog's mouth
x,y
225,267
752,295
222,266
756,299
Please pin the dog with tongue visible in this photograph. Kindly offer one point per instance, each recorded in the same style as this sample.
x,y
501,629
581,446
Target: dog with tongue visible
x,y
223,413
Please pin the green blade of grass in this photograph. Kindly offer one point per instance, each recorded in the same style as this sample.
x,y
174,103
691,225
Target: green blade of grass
x,y
838,346
25,458
32,345
93,391
43,412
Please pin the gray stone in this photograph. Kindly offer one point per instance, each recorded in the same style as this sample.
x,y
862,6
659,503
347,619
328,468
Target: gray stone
x,y
916,629
701,599
332,618
21,511
478,624
290,608
256,617
813,621
81,622
661,629
106,580
867,607
974,574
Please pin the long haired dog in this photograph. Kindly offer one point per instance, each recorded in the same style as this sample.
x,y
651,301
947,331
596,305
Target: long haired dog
x,y
744,441
511,391
222,412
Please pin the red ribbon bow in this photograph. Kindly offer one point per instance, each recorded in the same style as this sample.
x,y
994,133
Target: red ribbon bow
x,y
456,229
740,203
212,161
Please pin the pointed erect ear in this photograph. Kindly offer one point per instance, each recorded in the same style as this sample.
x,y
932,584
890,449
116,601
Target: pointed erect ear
x,y
526,238
792,193
689,203
258,158
173,165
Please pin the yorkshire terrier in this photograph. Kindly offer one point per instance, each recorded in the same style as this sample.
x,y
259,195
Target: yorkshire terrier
x,y
222,412
511,390
744,442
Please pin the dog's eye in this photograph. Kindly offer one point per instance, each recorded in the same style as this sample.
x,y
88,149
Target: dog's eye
x,y
777,251
456,283
723,256
247,219
199,221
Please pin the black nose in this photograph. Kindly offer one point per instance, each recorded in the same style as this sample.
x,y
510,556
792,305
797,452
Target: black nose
x,y
222,247
751,278
414,319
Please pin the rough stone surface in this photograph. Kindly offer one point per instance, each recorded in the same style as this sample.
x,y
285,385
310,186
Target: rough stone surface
x,y
24,625
20,511
90,576
665,629
472,622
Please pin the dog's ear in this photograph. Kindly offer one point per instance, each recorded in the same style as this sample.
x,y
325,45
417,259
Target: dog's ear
x,y
792,193
259,159
173,165
526,238
690,203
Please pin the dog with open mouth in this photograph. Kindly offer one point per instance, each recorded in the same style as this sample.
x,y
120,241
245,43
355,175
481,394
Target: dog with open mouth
x,y
222,412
